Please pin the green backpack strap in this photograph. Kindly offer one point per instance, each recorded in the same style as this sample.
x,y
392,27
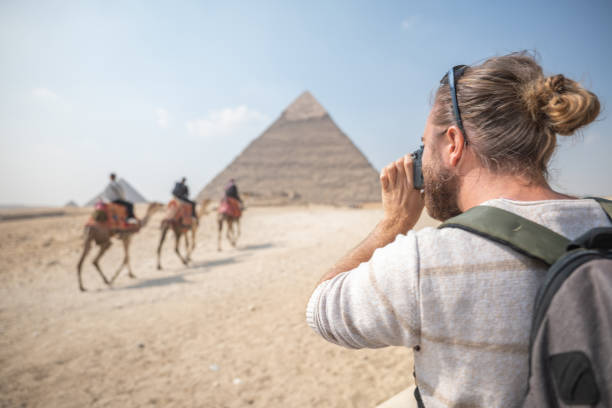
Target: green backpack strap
x,y
606,205
521,234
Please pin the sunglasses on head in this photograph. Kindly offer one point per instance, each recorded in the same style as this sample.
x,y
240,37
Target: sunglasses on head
x,y
451,78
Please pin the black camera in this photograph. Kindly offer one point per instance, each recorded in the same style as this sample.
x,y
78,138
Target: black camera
x,y
417,168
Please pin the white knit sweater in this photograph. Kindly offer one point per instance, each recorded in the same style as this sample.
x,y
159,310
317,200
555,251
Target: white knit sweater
x,y
464,300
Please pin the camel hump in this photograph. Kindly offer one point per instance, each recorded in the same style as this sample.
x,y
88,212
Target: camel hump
x,y
112,216
230,206
179,211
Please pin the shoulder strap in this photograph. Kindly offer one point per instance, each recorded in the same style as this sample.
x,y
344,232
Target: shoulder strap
x,y
522,235
606,205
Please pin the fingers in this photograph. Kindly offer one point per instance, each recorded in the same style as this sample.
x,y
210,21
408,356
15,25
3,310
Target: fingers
x,y
409,169
392,172
397,172
384,179
401,171
388,176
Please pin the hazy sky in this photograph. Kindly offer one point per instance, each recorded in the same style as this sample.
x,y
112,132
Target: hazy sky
x,y
158,90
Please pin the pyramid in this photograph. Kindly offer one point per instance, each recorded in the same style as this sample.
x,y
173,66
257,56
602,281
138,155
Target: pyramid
x,y
303,157
130,194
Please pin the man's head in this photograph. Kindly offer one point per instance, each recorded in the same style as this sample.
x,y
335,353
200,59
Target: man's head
x,y
509,118
183,180
113,176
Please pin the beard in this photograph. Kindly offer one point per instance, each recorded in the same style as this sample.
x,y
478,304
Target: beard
x,y
441,190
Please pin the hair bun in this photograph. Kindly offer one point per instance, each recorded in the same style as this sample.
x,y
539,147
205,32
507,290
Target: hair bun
x,y
556,83
560,104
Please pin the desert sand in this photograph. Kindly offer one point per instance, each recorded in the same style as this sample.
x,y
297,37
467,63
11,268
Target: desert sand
x,y
226,331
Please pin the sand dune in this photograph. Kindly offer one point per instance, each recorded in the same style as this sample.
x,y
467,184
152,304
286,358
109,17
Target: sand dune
x,y
227,331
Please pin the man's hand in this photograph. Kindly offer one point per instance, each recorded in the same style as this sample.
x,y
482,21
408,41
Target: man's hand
x,y
402,206
402,203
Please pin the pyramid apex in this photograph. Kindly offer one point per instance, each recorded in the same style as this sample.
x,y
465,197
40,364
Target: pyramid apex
x,y
304,107
303,157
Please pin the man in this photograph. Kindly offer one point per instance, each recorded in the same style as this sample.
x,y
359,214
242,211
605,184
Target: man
x,y
181,191
231,190
115,194
462,302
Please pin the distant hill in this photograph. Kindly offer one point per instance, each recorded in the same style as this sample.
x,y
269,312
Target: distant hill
x,y
12,206
303,157
131,194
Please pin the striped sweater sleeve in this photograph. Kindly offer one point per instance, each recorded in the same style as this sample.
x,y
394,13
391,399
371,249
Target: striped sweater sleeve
x,y
374,305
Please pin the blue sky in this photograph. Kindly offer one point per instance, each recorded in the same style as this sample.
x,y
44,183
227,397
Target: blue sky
x,y
158,90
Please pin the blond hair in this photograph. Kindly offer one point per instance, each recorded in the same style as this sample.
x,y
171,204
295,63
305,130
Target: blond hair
x,y
512,112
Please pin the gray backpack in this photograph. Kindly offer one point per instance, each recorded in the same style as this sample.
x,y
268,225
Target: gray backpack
x,y
571,334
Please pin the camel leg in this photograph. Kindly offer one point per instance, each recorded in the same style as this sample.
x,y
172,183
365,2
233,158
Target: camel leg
x,y
237,229
159,247
231,233
120,266
126,246
194,229
177,239
126,260
187,250
228,233
103,248
193,237
86,249
220,222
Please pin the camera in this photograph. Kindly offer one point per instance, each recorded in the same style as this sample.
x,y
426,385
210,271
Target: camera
x,y
417,167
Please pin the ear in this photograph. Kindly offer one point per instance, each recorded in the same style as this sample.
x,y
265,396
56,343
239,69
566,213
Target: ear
x,y
455,143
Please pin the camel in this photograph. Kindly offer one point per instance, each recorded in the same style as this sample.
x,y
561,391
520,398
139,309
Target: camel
x,y
102,236
179,231
231,221
232,236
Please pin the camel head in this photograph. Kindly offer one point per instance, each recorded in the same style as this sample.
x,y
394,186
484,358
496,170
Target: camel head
x,y
151,209
203,211
154,207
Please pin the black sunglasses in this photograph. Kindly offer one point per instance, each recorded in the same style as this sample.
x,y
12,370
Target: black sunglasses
x,y
451,78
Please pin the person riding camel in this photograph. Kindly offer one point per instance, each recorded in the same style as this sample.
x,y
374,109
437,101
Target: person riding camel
x,y
181,191
231,203
114,193
231,190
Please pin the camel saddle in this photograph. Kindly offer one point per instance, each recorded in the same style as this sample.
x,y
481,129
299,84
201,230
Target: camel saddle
x,y
230,206
179,212
112,216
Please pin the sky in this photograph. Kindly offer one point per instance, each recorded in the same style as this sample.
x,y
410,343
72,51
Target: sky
x,y
158,90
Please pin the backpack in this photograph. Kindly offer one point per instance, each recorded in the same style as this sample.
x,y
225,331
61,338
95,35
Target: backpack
x,y
570,350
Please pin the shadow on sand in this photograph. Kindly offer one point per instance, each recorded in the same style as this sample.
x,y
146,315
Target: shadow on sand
x,y
208,264
256,247
179,276
151,283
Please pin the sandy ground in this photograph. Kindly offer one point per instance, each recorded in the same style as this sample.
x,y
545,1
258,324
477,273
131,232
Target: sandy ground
x,y
227,331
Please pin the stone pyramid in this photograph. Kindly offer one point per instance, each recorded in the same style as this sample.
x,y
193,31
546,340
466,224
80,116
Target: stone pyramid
x,y
130,194
303,157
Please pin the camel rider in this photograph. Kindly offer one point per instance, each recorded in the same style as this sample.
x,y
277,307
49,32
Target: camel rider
x,y
181,191
115,194
232,191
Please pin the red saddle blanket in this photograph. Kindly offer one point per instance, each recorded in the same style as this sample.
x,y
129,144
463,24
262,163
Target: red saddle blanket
x,y
112,216
230,206
180,212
